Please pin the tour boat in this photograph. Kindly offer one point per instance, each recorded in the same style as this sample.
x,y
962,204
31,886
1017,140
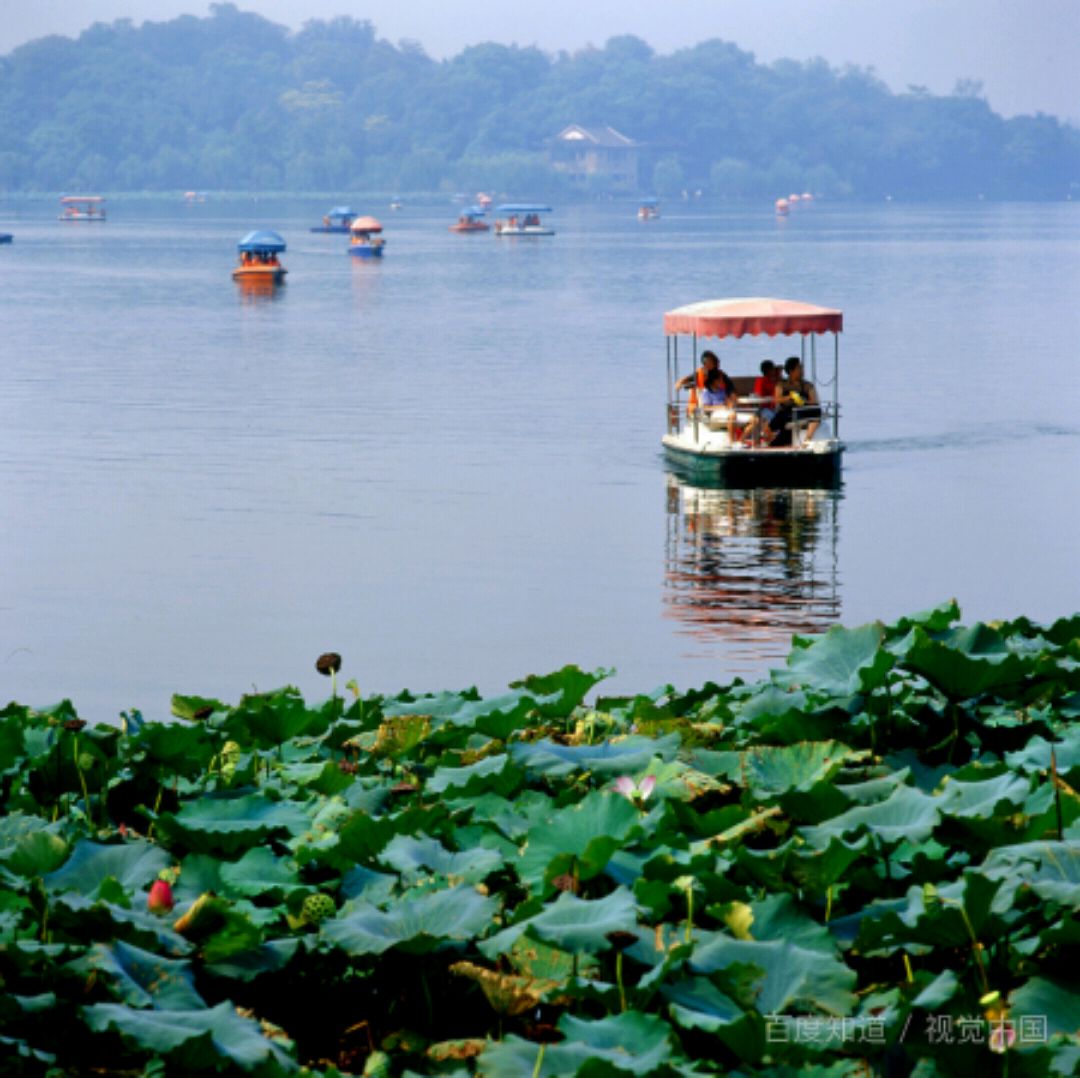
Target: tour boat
x,y
782,207
649,209
82,208
259,258
6,237
523,220
337,220
699,442
366,241
471,220
483,200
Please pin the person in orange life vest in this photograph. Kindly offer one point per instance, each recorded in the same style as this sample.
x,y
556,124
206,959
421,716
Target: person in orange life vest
x,y
696,380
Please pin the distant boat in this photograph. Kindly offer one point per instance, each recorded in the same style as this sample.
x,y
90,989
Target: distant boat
x,y
782,207
649,209
471,220
367,241
6,237
524,220
259,259
82,208
483,201
194,196
395,202
337,220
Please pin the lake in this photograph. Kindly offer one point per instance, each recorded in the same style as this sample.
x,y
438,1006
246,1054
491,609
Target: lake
x,y
446,466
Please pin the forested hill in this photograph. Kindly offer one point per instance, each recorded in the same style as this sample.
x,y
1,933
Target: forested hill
x,y
234,102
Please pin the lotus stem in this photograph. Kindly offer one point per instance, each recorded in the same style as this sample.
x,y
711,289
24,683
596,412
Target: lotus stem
x,y
688,934
619,980
828,904
907,969
82,779
539,1062
1057,795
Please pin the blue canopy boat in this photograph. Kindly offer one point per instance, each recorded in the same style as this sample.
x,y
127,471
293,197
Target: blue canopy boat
x,y
523,219
471,220
337,220
649,208
259,258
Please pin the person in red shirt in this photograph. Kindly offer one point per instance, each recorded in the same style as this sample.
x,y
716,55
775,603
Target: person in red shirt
x,y
767,388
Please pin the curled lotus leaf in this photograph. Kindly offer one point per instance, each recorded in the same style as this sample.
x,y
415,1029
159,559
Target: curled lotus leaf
x,y
142,978
134,865
231,824
629,755
196,1039
842,663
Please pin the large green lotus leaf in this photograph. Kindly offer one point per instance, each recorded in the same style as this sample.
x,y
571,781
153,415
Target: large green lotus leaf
x,y
810,868
416,925
323,776
259,872
628,756
578,839
775,770
1000,794
1055,1000
842,663
29,847
142,978
571,924
696,1003
196,708
791,976
1050,869
496,717
271,719
134,865
193,1039
89,918
906,815
231,824
935,620
421,855
494,773
185,750
11,744
628,1043
246,965
559,693
971,662
1035,755
512,818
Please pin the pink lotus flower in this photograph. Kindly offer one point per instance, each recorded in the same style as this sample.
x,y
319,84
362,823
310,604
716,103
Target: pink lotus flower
x,y
160,900
636,792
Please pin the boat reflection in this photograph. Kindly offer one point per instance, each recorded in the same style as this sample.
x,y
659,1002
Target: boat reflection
x,y
255,290
746,569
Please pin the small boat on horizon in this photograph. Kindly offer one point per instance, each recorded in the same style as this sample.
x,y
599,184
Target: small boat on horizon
x,y
6,237
395,202
82,208
259,263
649,209
471,220
337,220
367,241
523,220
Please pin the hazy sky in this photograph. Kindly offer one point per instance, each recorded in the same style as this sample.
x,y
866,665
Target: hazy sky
x,y
1025,52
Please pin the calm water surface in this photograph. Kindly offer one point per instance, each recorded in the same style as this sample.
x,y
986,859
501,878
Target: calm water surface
x,y
446,466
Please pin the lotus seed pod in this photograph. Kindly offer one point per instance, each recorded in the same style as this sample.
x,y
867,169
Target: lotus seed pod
x,y
316,908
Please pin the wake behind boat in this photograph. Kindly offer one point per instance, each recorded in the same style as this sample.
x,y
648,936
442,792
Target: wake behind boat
x,y
732,444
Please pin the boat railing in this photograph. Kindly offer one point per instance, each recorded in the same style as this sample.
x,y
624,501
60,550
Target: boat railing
x,y
747,408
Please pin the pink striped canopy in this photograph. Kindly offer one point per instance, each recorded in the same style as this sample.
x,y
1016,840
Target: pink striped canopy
x,y
742,317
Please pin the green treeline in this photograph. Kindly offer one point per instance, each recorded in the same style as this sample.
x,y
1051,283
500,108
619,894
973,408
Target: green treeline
x,y
235,102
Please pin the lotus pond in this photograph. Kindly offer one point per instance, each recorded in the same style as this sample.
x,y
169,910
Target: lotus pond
x,y
867,863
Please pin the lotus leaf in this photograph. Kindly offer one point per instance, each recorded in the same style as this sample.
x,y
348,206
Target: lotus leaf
x,y
842,663
493,773
134,865
906,815
559,693
422,855
630,755
972,662
416,925
194,1039
259,872
771,771
497,717
228,824
1050,869
628,1043
1056,1001
572,924
579,839
141,978
28,848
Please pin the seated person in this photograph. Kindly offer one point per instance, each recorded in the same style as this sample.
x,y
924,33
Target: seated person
x,y
695,380
719,395
766,389
798,402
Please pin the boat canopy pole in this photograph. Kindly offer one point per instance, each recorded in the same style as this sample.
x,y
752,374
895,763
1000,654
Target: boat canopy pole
x,y
836,385
670,382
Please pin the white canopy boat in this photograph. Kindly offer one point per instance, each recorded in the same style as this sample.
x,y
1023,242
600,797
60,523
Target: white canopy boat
x,y
710,442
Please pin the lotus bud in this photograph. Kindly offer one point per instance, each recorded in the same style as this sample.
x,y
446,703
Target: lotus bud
x,y
160,900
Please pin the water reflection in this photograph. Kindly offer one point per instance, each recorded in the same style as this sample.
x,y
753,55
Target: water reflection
x,y
254,290
748,568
